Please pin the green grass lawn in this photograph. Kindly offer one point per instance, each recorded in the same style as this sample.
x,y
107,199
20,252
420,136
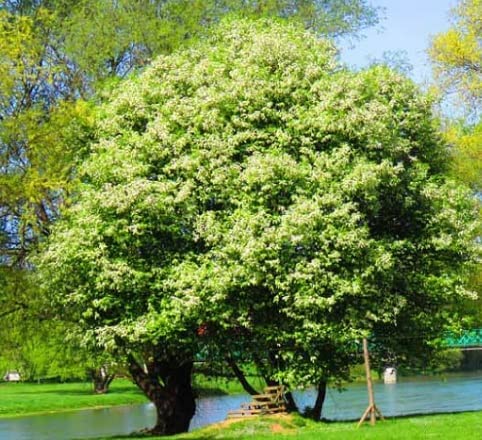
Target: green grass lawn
x,y
17,399
24,398
463,426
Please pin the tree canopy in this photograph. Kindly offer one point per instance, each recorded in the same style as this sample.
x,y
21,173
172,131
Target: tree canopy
x,y
251,194
55,53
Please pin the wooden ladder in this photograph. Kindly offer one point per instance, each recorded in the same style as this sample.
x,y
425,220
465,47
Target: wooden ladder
x,y
270,402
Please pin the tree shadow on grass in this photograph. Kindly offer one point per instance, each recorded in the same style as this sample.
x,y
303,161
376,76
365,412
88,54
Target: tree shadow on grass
x,y
406,416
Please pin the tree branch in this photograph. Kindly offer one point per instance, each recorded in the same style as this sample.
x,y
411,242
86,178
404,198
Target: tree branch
x,y
240,376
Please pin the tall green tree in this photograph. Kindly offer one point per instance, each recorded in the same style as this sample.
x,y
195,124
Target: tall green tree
x,y
55,53
251,196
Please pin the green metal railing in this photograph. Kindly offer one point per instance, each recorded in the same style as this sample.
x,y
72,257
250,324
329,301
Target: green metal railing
x,y
466,339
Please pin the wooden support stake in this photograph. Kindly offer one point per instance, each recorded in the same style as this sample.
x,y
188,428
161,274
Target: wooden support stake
x,y
372,408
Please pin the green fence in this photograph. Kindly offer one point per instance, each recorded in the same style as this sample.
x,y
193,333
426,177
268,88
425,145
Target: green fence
x,y
466,339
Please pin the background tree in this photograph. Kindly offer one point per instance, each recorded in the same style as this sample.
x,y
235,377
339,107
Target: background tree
x,y
457,64
41,138
457,55
251,195
34,352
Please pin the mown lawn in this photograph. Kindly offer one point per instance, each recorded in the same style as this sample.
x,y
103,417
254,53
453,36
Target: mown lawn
x,y
17,399
463,426
24,398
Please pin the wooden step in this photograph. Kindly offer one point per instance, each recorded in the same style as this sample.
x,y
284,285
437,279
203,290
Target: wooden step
x,y
273,388
258,405
278,409
262,397
270,402
254,412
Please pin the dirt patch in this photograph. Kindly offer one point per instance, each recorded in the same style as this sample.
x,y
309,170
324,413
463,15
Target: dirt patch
x,y
272,422
277,428
273,417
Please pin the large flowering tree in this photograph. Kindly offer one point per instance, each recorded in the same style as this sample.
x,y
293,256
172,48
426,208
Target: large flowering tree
x,y
251,198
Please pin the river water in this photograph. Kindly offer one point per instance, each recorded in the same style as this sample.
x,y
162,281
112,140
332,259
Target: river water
x,y
409,396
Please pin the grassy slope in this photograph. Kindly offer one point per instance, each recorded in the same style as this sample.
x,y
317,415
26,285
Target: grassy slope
x,y
462,426
22,398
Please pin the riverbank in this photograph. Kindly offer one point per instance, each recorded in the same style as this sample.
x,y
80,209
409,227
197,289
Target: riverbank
x,y
461,426
30,398
21,399
417,396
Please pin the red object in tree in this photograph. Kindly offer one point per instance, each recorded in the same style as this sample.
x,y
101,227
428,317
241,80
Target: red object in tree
x,y
202,330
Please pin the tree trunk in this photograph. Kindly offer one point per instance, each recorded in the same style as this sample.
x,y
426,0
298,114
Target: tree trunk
x,y
168,386
101,379
240,376
290,402
315,413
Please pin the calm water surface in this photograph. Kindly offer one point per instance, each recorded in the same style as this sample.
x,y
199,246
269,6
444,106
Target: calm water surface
x,y
407,397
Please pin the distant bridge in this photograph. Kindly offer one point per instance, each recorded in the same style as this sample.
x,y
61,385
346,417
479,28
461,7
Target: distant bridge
x,y
467,340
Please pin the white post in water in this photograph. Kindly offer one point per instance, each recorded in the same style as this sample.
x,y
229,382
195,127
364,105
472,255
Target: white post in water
x,y
390,375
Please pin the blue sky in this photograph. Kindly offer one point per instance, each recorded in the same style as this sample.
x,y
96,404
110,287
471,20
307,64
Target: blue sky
x,y
408,26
